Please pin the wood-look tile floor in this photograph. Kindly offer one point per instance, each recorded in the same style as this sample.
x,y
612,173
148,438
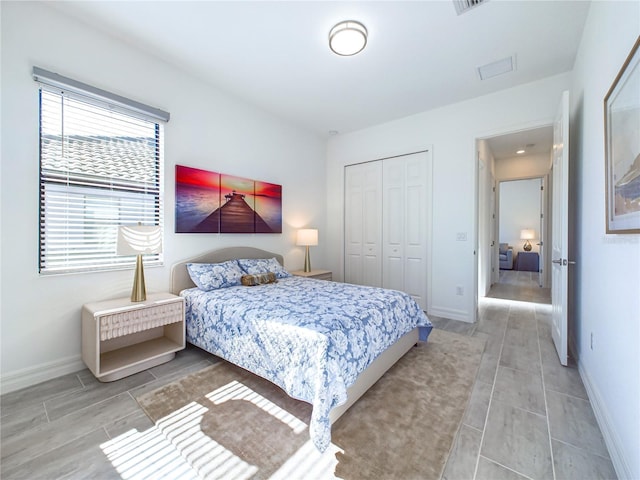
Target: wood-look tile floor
x,y
528,417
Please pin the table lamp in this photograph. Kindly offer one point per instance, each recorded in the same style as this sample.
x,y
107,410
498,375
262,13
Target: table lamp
x,y
139,240
527,234
307,237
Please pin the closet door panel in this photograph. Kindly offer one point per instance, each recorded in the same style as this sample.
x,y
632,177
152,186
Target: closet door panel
x,y
393,223
353,226
363,212
416,228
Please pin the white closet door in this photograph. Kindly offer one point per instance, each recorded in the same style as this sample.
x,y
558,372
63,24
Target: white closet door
x,y
363,220
404,226
393,185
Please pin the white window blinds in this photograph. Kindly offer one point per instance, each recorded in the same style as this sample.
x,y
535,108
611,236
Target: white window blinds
x,y
100,167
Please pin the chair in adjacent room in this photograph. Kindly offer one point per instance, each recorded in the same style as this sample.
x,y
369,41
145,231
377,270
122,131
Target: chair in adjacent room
x,y
506,257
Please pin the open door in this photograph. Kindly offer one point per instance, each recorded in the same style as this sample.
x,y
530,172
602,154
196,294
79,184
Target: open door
x,y
560,230
543,232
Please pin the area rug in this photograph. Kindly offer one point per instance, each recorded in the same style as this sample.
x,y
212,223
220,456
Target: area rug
x,y
227,423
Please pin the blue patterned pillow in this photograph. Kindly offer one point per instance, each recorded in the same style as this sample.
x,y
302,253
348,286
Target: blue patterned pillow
x,y
211,276
253,266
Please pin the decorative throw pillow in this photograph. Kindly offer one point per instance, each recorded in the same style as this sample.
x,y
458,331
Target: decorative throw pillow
x,y
258,279
253,266
212,276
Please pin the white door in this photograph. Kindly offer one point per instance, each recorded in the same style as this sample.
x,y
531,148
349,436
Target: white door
x,y
405,201
362,224
560,230
543,232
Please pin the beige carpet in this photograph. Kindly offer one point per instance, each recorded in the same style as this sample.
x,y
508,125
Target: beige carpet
x,y
227,423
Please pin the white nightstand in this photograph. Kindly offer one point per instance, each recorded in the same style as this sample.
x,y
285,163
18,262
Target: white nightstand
x,y
318,274
120,337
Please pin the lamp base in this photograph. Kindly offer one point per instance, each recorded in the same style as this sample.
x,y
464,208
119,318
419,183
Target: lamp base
x,y
307,261
139,292
527,246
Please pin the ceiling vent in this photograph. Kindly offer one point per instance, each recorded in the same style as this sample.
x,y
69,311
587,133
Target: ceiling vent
x,y
466,5
499,67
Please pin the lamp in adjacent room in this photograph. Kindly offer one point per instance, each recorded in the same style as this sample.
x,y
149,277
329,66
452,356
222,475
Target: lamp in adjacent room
x,y
139,240
527,234
307,237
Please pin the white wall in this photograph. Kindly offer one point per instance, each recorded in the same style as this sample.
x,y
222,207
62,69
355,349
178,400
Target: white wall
x,y
208,129
452,131
607,271
519,209
523,166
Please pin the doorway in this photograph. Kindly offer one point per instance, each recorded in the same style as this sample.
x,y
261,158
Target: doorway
x,y
520,229
513,205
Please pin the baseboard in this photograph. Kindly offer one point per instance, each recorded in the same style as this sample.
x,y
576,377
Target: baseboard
x,y
611,438
450,313
46,371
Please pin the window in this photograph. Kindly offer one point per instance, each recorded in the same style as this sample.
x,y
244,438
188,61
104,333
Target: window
x,y
100,167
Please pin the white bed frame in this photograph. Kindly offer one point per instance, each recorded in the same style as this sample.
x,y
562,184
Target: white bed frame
x,y
180,280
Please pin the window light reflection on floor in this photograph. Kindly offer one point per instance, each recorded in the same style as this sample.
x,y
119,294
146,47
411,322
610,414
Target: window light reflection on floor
x,y
237,391
177,448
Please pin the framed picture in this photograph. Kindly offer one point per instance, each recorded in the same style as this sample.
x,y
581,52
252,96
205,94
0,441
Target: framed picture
x,y
622,147
212,202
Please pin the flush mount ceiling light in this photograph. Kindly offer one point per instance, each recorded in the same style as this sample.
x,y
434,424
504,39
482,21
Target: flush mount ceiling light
x,y
348,38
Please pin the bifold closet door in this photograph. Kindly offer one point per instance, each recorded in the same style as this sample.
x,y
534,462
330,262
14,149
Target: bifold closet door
x,y
405,203
363,224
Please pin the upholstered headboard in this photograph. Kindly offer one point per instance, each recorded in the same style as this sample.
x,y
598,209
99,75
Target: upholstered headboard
x,y
180,277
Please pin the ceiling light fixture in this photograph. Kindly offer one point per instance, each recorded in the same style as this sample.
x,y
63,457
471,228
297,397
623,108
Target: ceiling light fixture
x,y
520,152
348,38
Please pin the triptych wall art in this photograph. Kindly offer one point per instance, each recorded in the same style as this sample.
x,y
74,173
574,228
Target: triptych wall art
x,y
211,202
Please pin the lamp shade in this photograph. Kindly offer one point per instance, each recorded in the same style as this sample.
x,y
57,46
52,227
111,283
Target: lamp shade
x,y
139,239
527,234
307,237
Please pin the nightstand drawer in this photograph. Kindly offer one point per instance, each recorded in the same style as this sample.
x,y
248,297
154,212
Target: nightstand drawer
x,y
323,276
114,325
317,274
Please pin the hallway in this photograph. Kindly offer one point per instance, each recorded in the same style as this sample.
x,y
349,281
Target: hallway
x,y
528,416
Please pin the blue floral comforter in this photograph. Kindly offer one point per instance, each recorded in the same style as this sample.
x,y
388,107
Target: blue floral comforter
x,y
310,337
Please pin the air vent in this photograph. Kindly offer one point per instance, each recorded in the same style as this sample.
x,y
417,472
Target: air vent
x,y
466,5
499,67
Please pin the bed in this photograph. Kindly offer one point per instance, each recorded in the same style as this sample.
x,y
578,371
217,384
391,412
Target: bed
x,y
322,342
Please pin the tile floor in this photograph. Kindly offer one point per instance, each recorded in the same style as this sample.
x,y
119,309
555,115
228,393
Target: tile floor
x,y
528,417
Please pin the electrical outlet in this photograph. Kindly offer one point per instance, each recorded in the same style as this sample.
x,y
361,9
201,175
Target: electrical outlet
x,y
461,236
459,290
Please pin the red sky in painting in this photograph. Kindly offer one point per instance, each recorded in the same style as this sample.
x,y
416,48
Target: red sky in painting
x,y
268,190
194,176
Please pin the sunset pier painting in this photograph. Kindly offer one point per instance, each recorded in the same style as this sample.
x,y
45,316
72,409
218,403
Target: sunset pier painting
x,y
210,202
